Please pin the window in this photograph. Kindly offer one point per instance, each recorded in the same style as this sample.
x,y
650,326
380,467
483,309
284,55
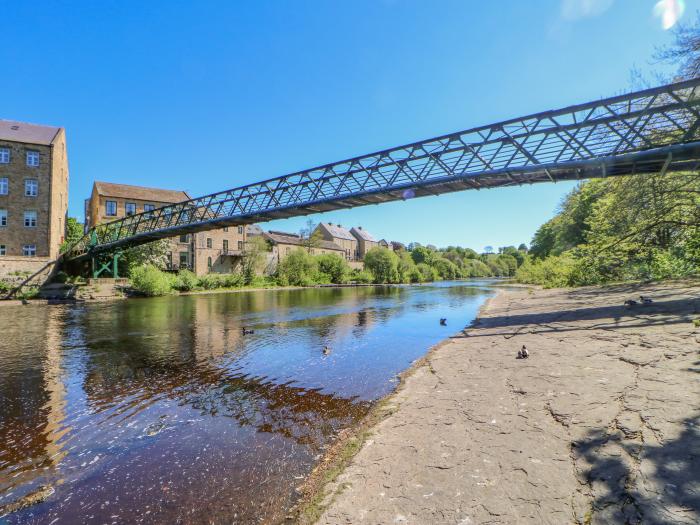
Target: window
x,y
130,208
3,249
209,242
240,245
225,245
3,217
4,186
29,250
225,229
111,208
31,187
209,262
184,258
33,158
240,230
149,208
30,219
183,238
4,155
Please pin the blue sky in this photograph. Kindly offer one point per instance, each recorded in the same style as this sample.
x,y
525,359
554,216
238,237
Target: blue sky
x,y
205,96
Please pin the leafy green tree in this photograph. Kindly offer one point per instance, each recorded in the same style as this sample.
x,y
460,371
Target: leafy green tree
x,y
253,258
74,231
153,253
446,269
406,267
299,268
334,267
421,254
383,264
428,273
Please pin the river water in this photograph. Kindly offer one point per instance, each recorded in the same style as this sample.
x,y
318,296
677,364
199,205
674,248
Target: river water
x,y
162,411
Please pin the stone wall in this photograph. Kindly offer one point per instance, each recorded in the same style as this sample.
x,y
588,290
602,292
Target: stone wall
x,y
14,268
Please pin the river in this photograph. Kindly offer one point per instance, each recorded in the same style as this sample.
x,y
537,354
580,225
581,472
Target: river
x,y
163,411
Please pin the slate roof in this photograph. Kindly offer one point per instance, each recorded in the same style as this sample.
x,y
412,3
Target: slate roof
x,y
126,191
362,234
29,133
294,239
253,229
338,231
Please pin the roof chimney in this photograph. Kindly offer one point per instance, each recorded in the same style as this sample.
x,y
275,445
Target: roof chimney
x,y
359,227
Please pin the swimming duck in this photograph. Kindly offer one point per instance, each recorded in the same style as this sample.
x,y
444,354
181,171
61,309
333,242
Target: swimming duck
x,y
645,300
631,302
245,331
326,350
443,321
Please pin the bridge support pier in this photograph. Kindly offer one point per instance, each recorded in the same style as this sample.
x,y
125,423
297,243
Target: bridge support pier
x,y
108,266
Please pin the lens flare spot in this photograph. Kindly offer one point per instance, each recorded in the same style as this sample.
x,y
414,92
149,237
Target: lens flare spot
x,y
669,11
408,194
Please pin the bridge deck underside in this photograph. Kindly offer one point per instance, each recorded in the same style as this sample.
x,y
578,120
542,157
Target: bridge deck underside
x,y
669,159
654,130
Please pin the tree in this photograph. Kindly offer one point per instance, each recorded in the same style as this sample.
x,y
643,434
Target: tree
x,y
253,257
421,254
334,267
153,253
74,231
299,268
488,249
685,51
383,265
311,236
446,269
406,267
522,247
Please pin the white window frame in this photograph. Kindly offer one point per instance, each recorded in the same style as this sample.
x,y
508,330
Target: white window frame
x,y
30,218
107,203
4,155
33,158
29,250
4,186
3,250
126,208
3,218
31,187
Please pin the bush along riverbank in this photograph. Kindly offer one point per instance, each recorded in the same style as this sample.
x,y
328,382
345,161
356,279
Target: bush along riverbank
x,y
300,268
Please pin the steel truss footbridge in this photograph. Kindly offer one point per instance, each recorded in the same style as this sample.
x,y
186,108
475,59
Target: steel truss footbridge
x,y
649,131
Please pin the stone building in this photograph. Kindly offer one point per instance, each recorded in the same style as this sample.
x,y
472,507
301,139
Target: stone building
x,y
33,195
218,251
282,244
365,242
342,237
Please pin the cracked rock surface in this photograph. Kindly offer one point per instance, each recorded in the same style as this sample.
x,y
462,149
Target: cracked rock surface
x,y
600,425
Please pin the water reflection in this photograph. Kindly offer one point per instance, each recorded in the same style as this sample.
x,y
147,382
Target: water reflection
x,y
163,411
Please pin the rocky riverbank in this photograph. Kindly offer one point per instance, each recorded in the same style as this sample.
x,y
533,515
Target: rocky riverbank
x,y
601,424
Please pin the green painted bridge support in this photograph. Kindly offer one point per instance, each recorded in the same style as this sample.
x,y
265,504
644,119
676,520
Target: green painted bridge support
x,y
110,265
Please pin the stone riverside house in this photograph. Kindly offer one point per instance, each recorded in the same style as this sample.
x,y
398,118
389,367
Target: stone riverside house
x,y
355,242
218,251
365,242
282,244
33,195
